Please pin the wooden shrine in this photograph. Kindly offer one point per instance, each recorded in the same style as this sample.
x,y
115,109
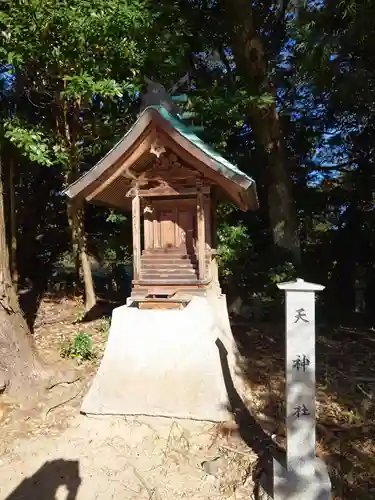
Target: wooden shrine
x,y
171,182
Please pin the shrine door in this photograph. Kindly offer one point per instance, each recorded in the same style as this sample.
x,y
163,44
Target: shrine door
x,y
174,227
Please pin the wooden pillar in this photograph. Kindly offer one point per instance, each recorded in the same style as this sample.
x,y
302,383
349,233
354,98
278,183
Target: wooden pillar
x,y
148,226
201,232
208,230
214,220
136,219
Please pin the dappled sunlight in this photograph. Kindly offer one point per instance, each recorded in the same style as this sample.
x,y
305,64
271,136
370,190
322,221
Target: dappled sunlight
x,y
345,416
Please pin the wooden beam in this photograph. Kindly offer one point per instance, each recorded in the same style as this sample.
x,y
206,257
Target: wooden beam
x,y
201,232
148,227
214,219
136,223
156,232
171,191
195,158
142,148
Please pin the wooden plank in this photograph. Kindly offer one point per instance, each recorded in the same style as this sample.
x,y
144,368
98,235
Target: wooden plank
x,y
171,191
201,232
167,231
161,305
156,227
177,230
160,203
137,153
147,227
186,228
136,220
191,155
214,219
207,212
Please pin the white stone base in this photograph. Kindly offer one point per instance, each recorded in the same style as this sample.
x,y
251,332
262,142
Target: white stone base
x,y
165,363
290,486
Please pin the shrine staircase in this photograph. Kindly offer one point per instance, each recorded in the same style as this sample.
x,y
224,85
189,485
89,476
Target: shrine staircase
x,y
169,266
171,270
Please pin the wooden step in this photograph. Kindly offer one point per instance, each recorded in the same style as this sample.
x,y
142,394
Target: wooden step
x,y
175,264
155,274
168,281
163,258
164,251
168,269
170,258
167,265
169,272
167,258
183,289
172,254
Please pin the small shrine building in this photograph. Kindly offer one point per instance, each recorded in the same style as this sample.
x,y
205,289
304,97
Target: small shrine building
x,y
171,181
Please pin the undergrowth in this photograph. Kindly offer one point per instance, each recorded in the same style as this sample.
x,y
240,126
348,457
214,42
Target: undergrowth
x,y
104,326
80,348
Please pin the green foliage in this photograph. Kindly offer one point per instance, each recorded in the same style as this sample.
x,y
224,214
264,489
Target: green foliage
x,y
78,66
283,272
31,142
80,348
73,59
34,144
234,242
115,217
85,87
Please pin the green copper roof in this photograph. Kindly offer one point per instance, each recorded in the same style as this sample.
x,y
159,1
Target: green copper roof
x,y
244,195
194,139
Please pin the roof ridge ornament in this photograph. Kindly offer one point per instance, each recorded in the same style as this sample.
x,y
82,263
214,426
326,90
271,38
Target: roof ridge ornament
x,y
156,94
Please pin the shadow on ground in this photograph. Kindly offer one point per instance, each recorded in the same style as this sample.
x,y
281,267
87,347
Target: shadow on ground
x,y
44,484
112,288
345,398
251,432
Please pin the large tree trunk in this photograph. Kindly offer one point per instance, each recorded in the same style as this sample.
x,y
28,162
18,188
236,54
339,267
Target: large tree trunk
x,y
13,225
19,366
76,223
251,63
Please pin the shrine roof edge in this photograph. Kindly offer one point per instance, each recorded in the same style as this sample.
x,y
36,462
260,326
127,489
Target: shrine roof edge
x,y
217,162
197,141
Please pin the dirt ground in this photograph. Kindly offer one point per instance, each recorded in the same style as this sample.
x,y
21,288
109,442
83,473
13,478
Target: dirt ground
x,y
49,451
52,452
98,458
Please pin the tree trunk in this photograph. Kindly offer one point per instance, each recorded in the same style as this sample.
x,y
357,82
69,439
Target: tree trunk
x,y
76,212
251,63
13,225
19,365
76,223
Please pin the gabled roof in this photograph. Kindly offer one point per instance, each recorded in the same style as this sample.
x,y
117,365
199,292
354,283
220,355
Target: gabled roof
x,y
239,187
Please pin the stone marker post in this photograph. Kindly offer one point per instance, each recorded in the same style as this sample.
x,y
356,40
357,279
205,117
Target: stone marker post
x,y
303,476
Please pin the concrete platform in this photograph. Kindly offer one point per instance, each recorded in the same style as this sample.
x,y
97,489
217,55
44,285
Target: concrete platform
x,y
165,363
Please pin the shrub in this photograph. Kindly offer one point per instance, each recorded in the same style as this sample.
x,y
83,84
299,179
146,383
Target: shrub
x,y
80,348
